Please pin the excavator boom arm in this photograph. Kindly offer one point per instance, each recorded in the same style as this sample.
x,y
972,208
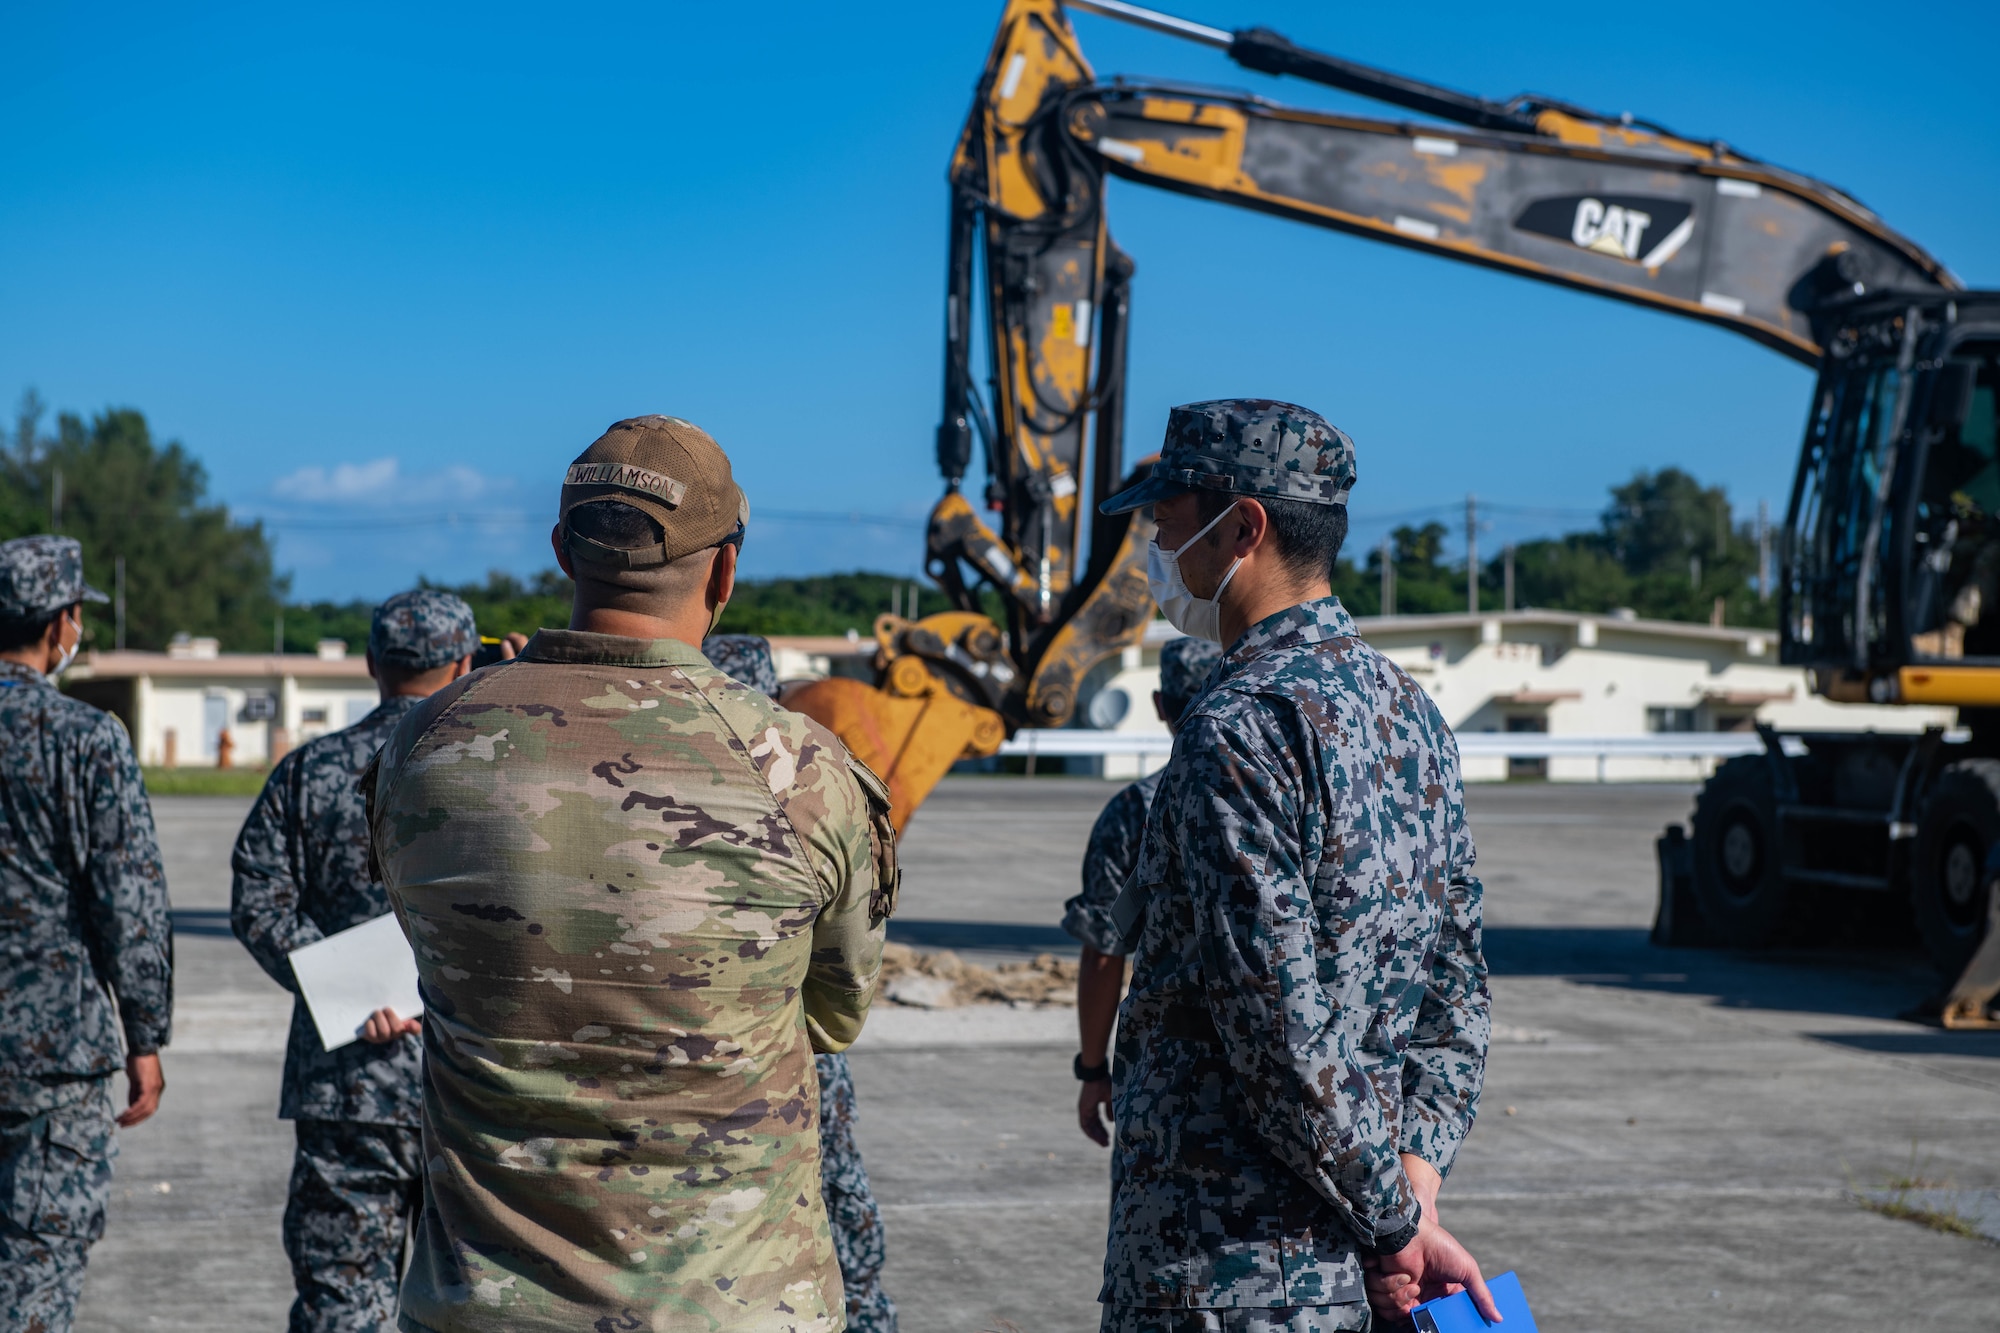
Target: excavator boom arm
x,y
1632,216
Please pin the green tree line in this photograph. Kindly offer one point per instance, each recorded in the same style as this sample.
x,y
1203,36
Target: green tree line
x,y
504,603
1665,546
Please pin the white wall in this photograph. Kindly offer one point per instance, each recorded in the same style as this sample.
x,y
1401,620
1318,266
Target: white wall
x,y
183,706
1593,677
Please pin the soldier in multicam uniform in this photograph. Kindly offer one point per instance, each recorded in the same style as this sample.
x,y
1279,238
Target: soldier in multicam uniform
x,y
641,895
84,942
1107,863
301,867
859,1242
1302,1048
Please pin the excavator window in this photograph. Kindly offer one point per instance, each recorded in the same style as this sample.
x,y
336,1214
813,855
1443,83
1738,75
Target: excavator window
x,y
1954,606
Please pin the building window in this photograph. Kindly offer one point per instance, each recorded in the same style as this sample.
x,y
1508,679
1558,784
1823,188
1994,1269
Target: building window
x,y
1664,718
1522,767
313,717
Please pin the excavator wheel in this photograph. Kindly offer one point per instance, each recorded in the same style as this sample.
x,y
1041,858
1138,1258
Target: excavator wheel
x,y
1739,878
1960,824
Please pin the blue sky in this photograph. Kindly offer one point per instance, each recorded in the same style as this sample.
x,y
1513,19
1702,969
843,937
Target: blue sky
x,y
382,265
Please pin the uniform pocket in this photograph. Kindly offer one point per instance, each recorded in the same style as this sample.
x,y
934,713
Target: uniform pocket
x,y
79,1145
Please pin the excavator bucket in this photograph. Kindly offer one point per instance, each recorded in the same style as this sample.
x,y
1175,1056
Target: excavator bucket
x,y
1970,1001
910,733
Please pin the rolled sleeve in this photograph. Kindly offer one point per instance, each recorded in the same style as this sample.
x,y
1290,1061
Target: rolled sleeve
x,y
127,893
1310,1097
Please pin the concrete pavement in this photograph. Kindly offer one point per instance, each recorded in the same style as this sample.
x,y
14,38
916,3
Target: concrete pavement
x,y
1684,1126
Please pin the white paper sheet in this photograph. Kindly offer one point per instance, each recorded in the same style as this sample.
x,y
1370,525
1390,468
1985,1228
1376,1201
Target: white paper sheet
x,y
346,977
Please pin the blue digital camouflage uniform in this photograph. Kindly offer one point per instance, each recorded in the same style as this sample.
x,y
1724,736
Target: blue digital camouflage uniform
x,y
1185,664
1309,994
83,919
859,1243
301,866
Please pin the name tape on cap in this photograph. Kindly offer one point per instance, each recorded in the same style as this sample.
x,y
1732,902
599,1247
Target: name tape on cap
x,y
626,477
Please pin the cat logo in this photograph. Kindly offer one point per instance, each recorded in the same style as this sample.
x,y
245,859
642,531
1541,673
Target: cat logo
x,y
1635,228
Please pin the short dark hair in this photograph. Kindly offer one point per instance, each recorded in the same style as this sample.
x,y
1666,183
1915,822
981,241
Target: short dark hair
x,y
1308,535
17,632
615,524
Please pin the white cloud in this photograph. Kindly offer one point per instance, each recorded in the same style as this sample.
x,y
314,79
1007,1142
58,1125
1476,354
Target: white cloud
x,y
383,479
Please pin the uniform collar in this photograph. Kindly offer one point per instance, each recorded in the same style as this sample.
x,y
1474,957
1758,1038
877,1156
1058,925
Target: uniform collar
x,y
398,704
582,648
1294,627
13,673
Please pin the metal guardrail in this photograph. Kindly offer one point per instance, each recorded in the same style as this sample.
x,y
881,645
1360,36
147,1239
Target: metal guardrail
x,y
1032,745
1657,745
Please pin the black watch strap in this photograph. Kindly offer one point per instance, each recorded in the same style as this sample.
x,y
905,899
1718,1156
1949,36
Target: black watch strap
x,y
1088,1073
1399,1238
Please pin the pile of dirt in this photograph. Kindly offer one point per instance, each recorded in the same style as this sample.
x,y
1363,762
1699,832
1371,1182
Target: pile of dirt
x,y
943,980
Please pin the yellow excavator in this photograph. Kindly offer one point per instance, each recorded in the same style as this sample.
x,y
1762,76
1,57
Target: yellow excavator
x,y
1891,542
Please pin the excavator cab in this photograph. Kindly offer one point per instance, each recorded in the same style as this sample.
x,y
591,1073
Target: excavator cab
x,y
1891,590
1954,576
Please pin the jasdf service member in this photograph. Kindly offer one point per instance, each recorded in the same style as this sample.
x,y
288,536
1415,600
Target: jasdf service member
x,y
641,896
301,867
85,949
1185,665
1302,1048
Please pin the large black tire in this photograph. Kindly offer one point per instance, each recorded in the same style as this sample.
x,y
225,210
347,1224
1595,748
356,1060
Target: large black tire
x,y
1949,885
1739,877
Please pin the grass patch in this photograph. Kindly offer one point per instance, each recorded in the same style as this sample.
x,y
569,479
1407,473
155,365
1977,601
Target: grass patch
x,y
1948,1223
1893,1200
204,781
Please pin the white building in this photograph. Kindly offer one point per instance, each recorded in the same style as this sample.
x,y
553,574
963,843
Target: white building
x,y
179,705
1559,673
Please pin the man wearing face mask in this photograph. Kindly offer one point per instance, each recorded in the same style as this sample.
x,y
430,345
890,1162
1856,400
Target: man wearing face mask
x,y
1301,1051
643,895
85,949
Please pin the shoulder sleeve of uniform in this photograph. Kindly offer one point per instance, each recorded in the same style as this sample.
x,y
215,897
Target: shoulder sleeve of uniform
x,y
881,840
124,897
1109,859
1445,1065
841,809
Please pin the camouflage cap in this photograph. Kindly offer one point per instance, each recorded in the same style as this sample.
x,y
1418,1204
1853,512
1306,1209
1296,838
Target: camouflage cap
x,y
747,657
415,631
1247,446
40,574
1185,664
672,471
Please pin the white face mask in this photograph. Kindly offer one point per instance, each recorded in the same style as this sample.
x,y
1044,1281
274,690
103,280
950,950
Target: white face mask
x,y
68,655
1197,616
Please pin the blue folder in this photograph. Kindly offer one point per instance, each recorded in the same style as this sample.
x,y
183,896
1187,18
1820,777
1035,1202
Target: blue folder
x,y
1457,1314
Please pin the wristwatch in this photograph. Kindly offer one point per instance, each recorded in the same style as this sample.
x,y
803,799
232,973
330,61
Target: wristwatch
x,y
1088,1073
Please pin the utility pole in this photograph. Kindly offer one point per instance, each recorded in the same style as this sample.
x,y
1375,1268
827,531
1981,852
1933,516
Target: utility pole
x,y
278,633
1388,577
118,603
1763,551
55,499
1471,555
1507,575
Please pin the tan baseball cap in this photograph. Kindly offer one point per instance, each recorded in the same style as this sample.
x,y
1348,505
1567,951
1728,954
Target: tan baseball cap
x,y
669,469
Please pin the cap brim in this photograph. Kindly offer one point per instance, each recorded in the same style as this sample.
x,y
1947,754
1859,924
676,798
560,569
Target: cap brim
x,y
1146,492
91,594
